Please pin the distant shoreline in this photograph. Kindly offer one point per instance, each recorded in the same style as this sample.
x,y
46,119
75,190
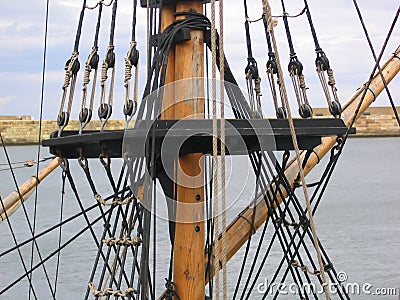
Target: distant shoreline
x,y
375,122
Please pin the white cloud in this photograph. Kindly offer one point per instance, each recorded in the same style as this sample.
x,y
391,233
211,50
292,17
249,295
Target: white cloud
x,y
338,28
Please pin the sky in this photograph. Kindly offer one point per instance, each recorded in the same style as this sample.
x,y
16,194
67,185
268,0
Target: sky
x,y
338,28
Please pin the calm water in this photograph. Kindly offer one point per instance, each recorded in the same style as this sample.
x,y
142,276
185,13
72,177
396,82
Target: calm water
x,y
357,222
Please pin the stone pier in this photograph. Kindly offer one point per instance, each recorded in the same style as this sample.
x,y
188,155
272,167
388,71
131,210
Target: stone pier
x,y
376,121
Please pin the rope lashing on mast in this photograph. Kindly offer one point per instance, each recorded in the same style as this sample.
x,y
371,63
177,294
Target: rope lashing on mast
x,y
295,68
92,63
324,70
267,12
253,79
72,67
105,109
131,60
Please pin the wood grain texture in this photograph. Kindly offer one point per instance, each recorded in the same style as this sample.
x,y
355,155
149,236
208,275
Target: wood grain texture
x,y
189,268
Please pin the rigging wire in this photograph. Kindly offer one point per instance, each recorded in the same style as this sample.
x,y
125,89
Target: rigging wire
x,y
31,287
42,262
105,109
92,63
63,177
216,262
72,67
295,68
26,214
323,65
375,59
40,134
295,144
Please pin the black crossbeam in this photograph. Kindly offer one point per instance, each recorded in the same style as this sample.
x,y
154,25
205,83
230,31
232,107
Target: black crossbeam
x,y
194,136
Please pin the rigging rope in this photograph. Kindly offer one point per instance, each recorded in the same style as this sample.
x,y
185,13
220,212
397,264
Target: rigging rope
x,y
375,58
72,67
105,109
267,11
34,241
295,68
223,163
216,253
31,287
322,64
131,60
63,177
253,80
92,63
40,137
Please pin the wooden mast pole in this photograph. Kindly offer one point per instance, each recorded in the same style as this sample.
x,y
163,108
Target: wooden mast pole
x,y
185,99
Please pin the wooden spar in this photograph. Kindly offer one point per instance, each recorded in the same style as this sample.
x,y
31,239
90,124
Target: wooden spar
x,y
238,231
186,69
13,201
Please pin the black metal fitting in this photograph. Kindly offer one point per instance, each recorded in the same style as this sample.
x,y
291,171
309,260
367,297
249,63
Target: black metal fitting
x,y
295,66
134,57
110,58
129,108
63,119
335,109
85,115
94,61
305,111
105,110
281,113
322,61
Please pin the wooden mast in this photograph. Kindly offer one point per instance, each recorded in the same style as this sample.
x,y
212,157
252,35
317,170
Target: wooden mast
x,y
185,99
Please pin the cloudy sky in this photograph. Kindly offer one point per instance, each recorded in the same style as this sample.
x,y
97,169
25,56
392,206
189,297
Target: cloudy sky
x,y
338,28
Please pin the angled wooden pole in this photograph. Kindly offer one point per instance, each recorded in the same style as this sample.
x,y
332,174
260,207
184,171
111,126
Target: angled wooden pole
x,y
13,201
238,231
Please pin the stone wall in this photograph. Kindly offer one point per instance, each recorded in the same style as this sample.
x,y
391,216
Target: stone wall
x,y
27,131
376,121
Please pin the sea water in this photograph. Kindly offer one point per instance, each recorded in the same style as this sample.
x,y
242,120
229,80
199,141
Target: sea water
x,y
357,223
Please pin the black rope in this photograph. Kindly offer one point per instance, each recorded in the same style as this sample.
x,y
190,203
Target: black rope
x,y
251,232
40,132
133,34
31,287
323,183
375,58
111,233
75,191
96,35
63,177
79,30
34,241
287,29
41,263
312,27
113,19
49,229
